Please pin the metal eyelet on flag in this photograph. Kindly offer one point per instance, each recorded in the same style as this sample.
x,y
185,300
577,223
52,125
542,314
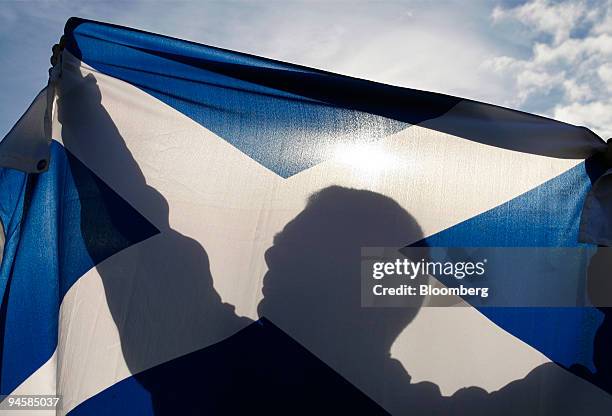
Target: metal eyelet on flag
x,y
41,165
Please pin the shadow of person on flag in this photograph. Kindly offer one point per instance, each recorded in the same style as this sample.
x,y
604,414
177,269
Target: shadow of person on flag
x,y
160,291
312,291
184,346
315,349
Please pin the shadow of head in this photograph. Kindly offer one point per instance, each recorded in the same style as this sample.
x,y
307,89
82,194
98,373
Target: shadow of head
x,y
313,287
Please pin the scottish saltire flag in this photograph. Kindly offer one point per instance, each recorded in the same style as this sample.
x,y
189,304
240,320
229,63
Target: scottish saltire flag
x,y
182,232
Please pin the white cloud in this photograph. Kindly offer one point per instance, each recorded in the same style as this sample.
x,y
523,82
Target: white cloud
x,y
596,115
604,25
534,80
577,92
556,19
568,74
605,74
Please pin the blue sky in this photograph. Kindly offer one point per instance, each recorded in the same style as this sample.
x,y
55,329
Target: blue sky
x,y
550,58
